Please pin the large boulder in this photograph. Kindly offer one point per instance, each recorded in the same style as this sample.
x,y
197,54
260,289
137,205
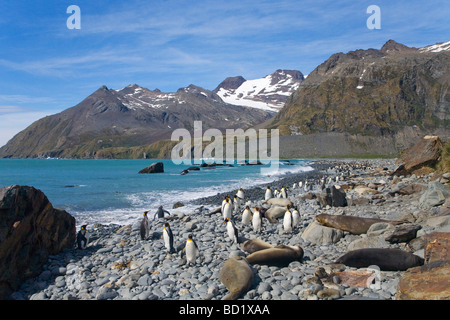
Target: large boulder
x,y
434,195
333,196
319,234
157,167
430,281
30,231
426,153
427,282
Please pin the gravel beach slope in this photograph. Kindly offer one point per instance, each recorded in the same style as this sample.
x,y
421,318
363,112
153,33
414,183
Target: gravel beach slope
x,y
118,265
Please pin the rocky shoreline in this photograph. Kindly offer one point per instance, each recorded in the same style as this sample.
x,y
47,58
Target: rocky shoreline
x,y
118,265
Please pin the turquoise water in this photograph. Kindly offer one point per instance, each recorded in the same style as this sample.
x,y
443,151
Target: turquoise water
x,y
112,191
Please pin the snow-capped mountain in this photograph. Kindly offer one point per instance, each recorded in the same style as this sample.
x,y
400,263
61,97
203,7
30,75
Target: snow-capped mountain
x,y
438,47
130,117
269,93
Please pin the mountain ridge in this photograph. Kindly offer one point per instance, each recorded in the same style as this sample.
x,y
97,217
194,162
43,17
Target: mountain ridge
x,y
371,92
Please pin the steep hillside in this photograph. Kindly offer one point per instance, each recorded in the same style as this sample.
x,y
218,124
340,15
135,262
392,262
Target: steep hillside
x,y
372,92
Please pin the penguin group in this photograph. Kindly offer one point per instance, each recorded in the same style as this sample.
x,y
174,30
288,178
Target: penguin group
x,y
190,248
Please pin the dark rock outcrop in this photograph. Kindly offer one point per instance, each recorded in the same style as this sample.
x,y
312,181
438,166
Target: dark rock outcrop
x,y
30,231
157,167
334,197
426,153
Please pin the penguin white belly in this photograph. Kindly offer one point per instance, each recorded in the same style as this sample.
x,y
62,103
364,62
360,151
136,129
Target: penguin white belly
x,y
287,222
191,252
231,233
295,218
268,195
256,222
166,239
227,211
246,217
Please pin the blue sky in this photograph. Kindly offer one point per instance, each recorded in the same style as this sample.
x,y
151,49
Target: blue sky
x,y
46,68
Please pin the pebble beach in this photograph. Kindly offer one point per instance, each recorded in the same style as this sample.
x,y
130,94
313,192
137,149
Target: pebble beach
x,y
118,265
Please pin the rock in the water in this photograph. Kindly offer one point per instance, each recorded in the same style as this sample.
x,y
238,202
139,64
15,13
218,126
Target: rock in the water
x,y
30,231
156,167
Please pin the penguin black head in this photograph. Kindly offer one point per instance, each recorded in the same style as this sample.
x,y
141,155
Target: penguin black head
x,y
226,220
83,227
145,213
247,207
166,224
190,237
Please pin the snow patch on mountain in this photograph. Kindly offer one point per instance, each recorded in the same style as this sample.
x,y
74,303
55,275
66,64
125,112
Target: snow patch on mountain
x,y
269,93
438,47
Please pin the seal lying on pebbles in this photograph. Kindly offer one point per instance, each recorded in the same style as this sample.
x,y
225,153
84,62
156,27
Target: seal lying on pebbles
x,y
282,202
275,212
237,275
387,259
254,245
278,256
352,224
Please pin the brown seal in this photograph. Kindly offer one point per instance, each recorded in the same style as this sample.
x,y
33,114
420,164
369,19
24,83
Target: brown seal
x,y
279,256
237,275
274,212
282,202
352,224
387,259
254,245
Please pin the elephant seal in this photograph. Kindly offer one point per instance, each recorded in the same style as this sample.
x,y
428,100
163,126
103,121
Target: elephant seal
x,y
387,259
282,202
279,256
275,212
254,245
352,224
237,275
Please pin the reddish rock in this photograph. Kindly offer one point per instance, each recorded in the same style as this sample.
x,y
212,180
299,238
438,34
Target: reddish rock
x,y
432,280
30,230
355,278
437,247
428,282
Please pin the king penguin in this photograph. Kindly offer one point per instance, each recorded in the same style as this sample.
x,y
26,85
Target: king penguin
x,y
276,193
191,250
257,221
224,201
283,192
268,195
82,237
295,217
236,203
168,238
231,230
240,193
144,227
227,209
287,221
246,216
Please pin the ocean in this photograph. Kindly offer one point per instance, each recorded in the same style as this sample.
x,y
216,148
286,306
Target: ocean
x,y
112,191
